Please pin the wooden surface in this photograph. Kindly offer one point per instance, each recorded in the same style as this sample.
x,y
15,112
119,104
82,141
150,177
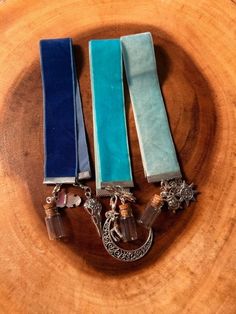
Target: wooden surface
x,y
192,265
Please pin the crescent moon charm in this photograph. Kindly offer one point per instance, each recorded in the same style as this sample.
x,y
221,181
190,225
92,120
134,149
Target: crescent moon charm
x,y
121,254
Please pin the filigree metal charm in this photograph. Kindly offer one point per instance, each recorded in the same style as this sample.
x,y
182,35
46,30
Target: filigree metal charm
x,y
175,192
112,234
117,252
122,193
115,233
94,208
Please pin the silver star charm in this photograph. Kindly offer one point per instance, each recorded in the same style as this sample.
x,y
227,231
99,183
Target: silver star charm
x,y
177,191
187,193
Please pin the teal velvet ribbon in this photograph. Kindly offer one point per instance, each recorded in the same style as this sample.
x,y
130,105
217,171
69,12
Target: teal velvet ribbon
x,y
155,140
112,158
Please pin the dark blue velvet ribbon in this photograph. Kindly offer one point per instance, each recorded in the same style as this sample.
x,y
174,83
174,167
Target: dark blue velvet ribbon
x,y
65,146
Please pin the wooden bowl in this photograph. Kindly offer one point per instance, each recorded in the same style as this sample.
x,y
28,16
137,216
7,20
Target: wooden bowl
x,y
191,267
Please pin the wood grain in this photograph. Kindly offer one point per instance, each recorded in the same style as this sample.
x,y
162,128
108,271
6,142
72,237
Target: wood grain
x,y
191,267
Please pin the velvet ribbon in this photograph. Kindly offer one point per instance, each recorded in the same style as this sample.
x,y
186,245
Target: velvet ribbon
x,y
155,140
65,146
112,158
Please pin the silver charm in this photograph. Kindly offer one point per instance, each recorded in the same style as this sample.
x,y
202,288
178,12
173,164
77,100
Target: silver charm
x,y
112,234
121,254
175,192
115,232
122,193
53,198
93,207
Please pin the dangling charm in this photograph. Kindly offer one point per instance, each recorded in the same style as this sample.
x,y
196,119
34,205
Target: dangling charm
x,y
112,232
127,223
176,192
53,218
113,216
126,218
68,200
152,211
93,207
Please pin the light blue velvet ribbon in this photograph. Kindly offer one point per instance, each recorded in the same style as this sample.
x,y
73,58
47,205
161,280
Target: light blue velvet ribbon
x,y
155,140
65,146
112,158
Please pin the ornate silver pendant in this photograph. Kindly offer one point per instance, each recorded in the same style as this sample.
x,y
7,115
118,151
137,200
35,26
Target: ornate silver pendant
x,y
176,192
111,235
94,208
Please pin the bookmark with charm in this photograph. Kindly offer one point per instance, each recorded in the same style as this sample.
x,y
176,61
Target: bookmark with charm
x,y
113,166
66,158
158,153
112,160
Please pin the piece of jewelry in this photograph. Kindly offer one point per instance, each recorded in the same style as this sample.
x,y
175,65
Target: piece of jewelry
x,y
53,218
57,200
176,192
65,148
92,206
112,160
112,234
158,153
